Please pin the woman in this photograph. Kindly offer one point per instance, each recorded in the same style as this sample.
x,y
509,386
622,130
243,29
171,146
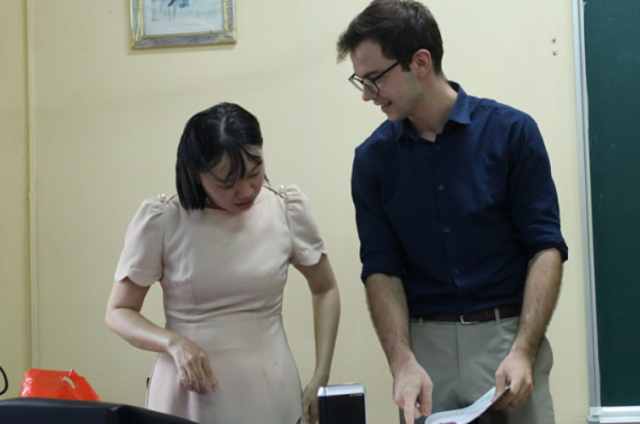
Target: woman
x,y
221,249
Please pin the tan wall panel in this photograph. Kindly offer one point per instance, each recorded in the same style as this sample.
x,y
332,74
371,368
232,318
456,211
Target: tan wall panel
x,y
14,214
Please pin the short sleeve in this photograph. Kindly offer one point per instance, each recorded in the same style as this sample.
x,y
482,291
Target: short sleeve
x,y
308,246
141,258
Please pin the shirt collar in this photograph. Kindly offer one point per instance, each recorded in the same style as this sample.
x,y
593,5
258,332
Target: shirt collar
x,y
459,114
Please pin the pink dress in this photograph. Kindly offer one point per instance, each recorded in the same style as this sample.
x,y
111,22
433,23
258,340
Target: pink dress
x,y
222,277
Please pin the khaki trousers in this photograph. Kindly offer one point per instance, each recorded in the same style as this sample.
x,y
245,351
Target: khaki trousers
x,y
462,359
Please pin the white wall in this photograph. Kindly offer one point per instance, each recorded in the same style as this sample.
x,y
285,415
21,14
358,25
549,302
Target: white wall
x,y
106,124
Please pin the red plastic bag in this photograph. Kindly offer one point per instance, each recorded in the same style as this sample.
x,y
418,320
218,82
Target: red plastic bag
x,y
56,385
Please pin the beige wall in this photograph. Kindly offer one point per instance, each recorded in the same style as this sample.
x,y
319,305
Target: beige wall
x,y
107,120
14,214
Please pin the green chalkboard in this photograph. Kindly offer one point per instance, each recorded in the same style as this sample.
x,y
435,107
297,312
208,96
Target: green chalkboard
x,y
612,53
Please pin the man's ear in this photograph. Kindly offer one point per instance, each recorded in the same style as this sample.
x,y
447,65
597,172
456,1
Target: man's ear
x,y
422,62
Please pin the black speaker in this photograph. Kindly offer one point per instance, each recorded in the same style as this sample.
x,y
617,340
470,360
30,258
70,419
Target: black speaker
x,y
56,411
342,404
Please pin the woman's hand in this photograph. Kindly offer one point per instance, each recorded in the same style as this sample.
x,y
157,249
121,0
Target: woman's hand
x,y
310,401
326,314
193,365
124,318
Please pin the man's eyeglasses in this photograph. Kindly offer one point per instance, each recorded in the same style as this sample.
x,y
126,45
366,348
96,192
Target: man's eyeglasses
x,y
370,83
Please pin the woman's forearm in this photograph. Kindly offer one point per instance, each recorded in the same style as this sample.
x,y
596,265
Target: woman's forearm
x,y
123,317
132,326
326,313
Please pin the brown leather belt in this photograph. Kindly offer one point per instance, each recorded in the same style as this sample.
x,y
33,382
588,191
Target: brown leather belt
x,y
507,311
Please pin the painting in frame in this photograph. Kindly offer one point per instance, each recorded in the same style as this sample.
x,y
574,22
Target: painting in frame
x,y
169,23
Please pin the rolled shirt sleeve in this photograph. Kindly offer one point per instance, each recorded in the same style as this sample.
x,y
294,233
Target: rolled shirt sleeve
x,y
532,193
380,249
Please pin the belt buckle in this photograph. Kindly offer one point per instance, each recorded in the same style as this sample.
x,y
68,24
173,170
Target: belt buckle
x,y
464,322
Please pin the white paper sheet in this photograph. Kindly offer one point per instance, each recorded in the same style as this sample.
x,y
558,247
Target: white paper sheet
x,y
468,414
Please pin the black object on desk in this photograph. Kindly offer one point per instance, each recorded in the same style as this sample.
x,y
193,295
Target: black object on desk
x,y
342,404
50,411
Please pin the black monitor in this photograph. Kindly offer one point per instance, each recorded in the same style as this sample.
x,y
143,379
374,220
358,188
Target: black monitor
x,y
56,411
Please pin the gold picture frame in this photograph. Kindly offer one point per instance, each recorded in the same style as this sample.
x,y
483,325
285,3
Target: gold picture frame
x,y
170,23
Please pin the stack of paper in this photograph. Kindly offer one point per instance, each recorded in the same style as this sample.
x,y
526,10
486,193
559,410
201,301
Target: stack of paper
x,y
468,414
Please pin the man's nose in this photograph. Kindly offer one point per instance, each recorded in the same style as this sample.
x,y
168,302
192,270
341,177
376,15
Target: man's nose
x,y
367,94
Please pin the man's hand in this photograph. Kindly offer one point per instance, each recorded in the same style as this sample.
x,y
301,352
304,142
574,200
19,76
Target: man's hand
x,y
515,370
412,388
540,295
412,385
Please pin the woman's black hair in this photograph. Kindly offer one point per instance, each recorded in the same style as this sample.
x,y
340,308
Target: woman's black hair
x,y
224,130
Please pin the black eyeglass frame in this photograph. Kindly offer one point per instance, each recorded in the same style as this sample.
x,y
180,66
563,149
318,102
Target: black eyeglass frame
x,y
370,83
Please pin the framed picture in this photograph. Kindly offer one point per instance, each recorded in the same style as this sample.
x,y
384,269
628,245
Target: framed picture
x,y
168,23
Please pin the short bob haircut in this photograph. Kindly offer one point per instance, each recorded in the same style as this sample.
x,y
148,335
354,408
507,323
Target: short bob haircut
x,y
400,27
224,130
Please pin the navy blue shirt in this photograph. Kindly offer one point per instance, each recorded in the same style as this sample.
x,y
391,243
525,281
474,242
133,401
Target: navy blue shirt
x,y
459,218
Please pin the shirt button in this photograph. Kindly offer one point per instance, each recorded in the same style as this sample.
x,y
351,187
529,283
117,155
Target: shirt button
x,y
438,147
446,230
440,187
456,271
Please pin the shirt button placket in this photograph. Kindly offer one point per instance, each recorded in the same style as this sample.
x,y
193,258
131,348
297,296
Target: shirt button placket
x,y
447,230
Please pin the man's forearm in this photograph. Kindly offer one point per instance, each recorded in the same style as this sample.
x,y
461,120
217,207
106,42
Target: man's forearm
x,y
540,297
389,313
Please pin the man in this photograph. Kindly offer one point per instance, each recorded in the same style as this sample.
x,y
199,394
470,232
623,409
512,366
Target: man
x,y
459,226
